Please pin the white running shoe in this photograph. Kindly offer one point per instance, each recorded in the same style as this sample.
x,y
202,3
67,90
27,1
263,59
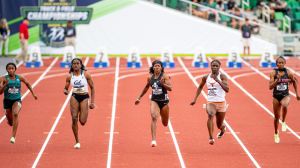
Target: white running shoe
x,y
221,133
77,146
276,138
12,140
153,143
211,141
283,127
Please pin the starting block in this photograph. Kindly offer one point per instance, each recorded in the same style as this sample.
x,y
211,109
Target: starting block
x,y
200,60
234,60
69,55
101,60
134,59
167,59
35,58
267,60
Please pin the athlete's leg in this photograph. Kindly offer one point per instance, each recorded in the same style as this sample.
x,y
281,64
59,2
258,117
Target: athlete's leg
x,y
284,102
154,110
84,111
164,113
74,106
9,117
211,112
220,116
276,109
15,113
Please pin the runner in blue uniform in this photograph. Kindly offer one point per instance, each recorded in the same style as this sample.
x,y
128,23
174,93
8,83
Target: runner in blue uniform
x,y
10,85
280,79
160,84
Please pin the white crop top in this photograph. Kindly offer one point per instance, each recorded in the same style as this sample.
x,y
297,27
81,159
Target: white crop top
x,y
215,91
79,83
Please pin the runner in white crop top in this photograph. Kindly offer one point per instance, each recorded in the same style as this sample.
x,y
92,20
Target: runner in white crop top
x,y
216,83
79,83
215,92
80,80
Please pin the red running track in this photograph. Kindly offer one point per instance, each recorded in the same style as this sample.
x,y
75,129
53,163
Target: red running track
x,y
183,144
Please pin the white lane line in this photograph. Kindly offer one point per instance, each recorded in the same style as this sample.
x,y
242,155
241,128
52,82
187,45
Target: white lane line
x,y
113,114
263,75
37,159
293,71
256,101
227,125
34,84
149,61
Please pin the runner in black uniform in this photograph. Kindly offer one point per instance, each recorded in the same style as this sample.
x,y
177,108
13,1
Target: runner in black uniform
x,y
279,82
160,84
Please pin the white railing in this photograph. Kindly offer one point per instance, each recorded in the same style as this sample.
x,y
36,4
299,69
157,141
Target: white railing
x,y
245,3
266,11
287,24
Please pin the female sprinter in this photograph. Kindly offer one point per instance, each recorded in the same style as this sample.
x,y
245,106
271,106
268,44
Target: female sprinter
x,y
279,82
216,84
10,84
80,79
160,84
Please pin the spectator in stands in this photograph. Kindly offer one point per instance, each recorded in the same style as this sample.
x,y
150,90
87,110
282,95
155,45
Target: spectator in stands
x,y
255,27
246,35
24,36
231,5
200,11
70,34
220,5
4,33
281,6
211,13
236,23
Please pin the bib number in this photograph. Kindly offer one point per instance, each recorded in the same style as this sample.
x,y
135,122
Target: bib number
x,y
281,87
13,90
212,92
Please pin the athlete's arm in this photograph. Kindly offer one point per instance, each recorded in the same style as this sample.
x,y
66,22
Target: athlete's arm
x,y
294,81
273,82
3,83
68,81
223,83
166,82
200,87
91,84
28,86
137,101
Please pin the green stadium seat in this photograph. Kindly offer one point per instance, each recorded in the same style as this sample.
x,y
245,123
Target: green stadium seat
x,y
297,16
224,18
279,19
297,27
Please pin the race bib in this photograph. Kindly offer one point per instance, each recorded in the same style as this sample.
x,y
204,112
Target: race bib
x,y
212,92
281,87
157,91
13,90
78,90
